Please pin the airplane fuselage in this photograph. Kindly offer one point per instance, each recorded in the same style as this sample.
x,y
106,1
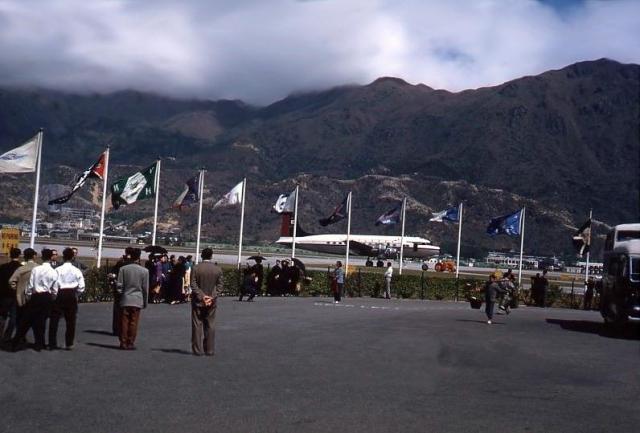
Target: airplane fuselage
x,y
381,246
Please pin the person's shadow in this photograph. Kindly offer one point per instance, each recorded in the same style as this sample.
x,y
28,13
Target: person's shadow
x,y
177,351
598,328
104,346
99,332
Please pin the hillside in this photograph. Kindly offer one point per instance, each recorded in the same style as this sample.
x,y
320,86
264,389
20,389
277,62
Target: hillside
x,y
560,142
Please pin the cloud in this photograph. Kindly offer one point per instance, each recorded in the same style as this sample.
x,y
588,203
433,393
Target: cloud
x,y
260,51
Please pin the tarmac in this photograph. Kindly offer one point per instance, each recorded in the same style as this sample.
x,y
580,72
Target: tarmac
x,y
308,365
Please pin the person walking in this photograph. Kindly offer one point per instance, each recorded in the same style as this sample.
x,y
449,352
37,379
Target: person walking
x,y
491,291
41,290
338,277
133,286
19,282
388,274
8,295
249,285
206,284
70,284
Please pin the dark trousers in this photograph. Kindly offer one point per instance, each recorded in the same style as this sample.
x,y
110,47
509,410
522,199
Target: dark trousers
x,y
38,311
337,293
129,317
116,320
203,330
65,305
8,321
489,305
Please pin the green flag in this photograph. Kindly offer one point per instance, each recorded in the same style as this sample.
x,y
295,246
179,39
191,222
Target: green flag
x,y
138,186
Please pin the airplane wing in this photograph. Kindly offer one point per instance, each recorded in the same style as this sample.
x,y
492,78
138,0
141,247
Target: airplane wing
x,y
360,249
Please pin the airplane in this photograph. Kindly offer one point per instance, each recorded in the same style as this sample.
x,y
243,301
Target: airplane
x,y
379,246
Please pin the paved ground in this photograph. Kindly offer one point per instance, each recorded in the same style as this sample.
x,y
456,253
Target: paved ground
x,y
306,365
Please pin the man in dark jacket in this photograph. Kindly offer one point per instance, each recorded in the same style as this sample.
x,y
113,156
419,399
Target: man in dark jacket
x,y
491,291
8,295
206,284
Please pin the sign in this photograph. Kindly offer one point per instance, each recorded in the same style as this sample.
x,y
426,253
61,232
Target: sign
x,y
9,238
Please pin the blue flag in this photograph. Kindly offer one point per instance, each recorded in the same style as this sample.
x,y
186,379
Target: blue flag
x,y
390,217
450,214
190,195
506,225
339,213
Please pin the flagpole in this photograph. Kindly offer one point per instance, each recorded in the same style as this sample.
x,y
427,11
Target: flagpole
x,y
200,199
586,271
295,225
521,245
37,190
104,204
346,268
459,238
404,208
155,212
244,188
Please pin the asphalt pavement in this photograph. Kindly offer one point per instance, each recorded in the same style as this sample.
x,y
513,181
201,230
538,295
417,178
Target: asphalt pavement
x,y
307,365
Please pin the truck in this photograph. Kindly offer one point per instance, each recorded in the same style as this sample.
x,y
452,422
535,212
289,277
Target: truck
x,y
620,292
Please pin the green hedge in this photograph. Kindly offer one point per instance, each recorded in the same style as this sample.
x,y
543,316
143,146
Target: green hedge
x,y
358,284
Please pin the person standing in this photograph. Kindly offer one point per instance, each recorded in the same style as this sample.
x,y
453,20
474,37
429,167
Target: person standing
x,y
113,282
388,274
543,286
40,291
133,286
491,291
54,258
206,284
19,282
249,285
8,296
176,280
77,263
588,293
70,284
258,268
338,276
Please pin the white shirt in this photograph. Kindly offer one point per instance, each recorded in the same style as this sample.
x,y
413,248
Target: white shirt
x,y
69,277
43,280
388,273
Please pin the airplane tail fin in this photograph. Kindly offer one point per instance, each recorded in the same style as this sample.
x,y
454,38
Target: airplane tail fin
x,y
286,227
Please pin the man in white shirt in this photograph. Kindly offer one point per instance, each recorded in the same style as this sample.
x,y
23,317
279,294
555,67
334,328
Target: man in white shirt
x,y
388,273
70,284
41,291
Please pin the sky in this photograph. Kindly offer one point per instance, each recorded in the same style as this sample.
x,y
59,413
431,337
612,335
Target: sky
x,y
260,51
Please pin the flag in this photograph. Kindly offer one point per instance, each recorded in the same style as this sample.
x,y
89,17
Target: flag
x,y
191,193
506,225
390,217
138,186
338,214
21,159
450,214
232,197
582,238
286,203
96,171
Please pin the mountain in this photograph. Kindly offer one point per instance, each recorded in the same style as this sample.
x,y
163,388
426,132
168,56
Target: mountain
x,y
561,142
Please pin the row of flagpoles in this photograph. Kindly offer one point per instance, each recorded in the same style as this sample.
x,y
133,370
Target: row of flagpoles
x,y
145,184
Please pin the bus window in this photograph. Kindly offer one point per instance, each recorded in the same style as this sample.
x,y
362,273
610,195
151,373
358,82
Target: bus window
x,y
627,235
634,272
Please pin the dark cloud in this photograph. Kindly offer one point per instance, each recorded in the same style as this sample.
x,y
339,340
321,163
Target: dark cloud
x,y
260,51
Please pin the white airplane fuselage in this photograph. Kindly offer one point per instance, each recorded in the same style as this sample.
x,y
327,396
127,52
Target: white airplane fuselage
x,y
387,246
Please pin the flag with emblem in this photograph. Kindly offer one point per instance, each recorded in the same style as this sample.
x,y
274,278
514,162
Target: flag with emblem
x,y
21,159
138,186
96,171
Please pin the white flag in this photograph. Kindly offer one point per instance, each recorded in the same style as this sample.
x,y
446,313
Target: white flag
x,y
21,159
232,197
285,203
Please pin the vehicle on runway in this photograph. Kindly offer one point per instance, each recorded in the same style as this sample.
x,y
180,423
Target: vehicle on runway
x,y
620,297
380,246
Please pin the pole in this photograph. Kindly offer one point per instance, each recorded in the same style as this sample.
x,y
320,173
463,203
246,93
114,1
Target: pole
x,y
104,204
459,238
37,189
346,265
521,246
404,208
244,186
295,225
586,271
200,199
155,212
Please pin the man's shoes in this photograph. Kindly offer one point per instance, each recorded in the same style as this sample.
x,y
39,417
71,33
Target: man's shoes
x,y
50,347
208,354
488,322
70,347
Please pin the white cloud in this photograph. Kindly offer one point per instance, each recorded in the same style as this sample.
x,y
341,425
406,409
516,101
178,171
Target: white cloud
x,y
260,51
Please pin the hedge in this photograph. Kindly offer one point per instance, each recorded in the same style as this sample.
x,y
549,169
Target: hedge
x,y
357,284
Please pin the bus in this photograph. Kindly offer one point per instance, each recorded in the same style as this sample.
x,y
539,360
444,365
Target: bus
x,y
620,297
